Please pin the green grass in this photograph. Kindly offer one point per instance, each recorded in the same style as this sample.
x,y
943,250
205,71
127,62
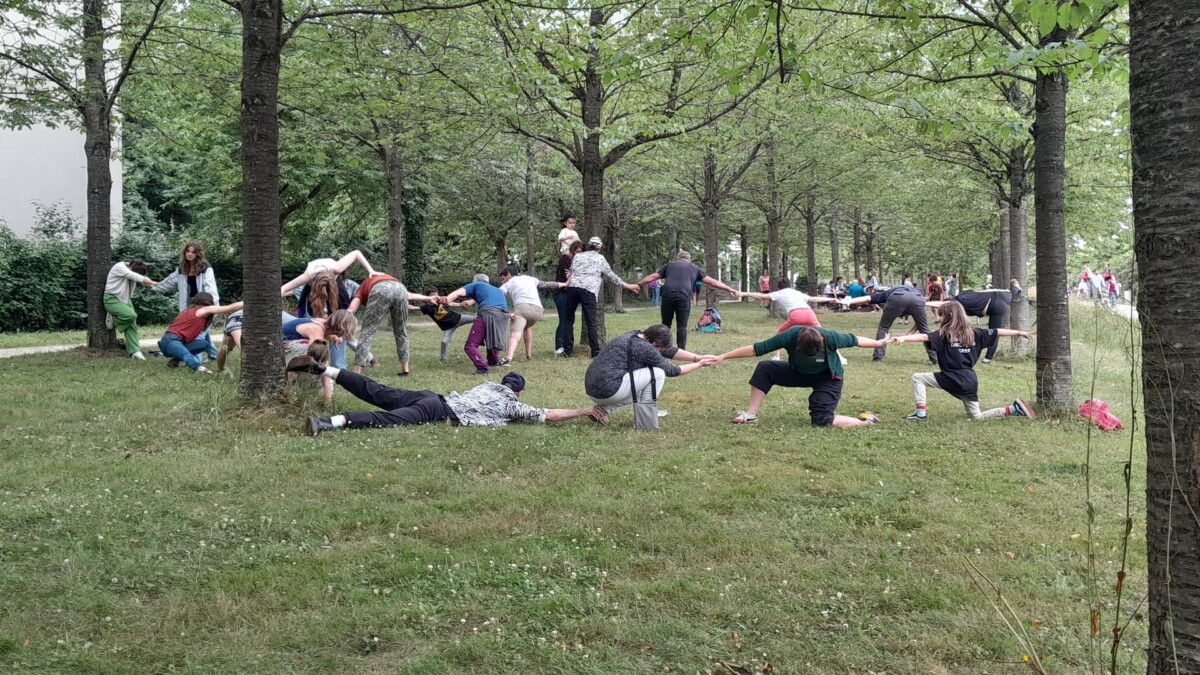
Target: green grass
x,y
148,523
69,337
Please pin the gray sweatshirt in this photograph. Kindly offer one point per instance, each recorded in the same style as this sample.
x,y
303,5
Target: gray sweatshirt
x,y
121,281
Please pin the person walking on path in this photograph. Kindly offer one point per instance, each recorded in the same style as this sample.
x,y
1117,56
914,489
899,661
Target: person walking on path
x,y
898,301
122,279
812,362
644,353
522,291
678,277
992,305
490,325
958,345
589,269
491,404
379,295
187,335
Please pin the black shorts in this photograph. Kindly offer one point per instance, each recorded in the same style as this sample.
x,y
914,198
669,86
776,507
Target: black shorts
x,y
822,401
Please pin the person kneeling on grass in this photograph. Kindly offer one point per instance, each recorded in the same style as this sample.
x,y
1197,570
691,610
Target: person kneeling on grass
x,y
812,362
185,337
490,404
641,356
958,345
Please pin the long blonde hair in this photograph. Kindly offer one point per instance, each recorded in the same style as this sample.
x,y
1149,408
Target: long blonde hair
x,y
955,326
341,324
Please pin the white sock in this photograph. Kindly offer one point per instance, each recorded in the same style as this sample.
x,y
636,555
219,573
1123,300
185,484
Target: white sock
x,y
330,372
338,420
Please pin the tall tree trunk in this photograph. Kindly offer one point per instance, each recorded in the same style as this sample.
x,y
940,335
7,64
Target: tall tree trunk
x,y
618,264
744,245
592,160
709,205
262,358
415,220
1018,314
1054,384
394,166
1000,275
810,243
501,245
869,250
774,215
1164,106
97,146
672,240
530,221
834,246
857,243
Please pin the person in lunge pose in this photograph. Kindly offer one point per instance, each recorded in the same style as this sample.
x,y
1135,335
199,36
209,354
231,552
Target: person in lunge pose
x,y
897,301
383,294
813,362
444,316
644,353
118,302
522,291
992,304
491,404
678,277
186,336
958,345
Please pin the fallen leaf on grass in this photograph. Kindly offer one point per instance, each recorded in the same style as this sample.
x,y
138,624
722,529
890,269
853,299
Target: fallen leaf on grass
x,y
128,455
737,641
1029,490
1010,555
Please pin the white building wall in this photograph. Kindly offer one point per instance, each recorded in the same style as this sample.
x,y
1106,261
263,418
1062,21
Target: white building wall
x,y
44,165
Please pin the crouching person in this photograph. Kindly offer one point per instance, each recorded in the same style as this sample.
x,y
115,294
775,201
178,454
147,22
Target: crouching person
x,y
186,336
491,404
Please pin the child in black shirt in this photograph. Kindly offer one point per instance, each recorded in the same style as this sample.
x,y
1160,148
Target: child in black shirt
x,y
447,319
958,344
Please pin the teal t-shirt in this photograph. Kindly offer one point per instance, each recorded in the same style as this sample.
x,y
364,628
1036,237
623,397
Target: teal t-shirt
x,y
821,362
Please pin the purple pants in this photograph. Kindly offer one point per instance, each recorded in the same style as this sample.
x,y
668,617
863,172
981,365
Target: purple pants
x,y
474,340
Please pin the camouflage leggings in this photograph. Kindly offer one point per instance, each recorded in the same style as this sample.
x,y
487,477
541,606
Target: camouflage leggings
x,y
386,297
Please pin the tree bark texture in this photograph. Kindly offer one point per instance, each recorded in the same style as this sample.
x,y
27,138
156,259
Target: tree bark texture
x,y
773,214
394,167
810,242
1164,107
262,358
1000,275
744,245
1018,313
530,220
857,244
834,249
709,205
97,145
1054,383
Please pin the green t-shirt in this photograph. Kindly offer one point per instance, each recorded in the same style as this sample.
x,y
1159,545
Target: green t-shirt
x,y
823,361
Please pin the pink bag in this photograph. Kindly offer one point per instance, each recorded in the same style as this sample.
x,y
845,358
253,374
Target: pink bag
x,y
1097,411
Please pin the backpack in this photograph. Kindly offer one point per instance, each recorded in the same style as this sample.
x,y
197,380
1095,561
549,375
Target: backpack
x,y
710,321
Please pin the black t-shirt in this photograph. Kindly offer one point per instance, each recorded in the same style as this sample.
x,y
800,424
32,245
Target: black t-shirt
x,y
680,276
956,362
881,297
977,303
442,315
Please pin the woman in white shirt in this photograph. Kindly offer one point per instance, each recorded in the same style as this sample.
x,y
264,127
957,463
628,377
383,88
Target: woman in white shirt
x,y
522,291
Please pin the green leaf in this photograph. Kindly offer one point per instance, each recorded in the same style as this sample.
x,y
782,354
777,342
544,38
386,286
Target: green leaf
x,y
806,78
751,12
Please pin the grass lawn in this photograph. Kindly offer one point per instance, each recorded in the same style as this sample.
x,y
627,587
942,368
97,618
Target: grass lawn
x,y
147,523
67,337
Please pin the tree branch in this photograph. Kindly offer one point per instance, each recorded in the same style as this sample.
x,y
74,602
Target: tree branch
x,y
133,52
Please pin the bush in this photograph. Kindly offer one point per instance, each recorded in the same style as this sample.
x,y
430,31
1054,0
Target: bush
x,y
43,284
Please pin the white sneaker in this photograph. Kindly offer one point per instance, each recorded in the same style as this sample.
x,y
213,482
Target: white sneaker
x,y
138,356
663,413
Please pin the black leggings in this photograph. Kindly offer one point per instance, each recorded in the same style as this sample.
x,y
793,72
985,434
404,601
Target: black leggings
x,y
997,315
577,297
826,391
400,406
899,305
678,307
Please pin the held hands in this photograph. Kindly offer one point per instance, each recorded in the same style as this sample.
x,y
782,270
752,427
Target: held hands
x,y
633,288
598,413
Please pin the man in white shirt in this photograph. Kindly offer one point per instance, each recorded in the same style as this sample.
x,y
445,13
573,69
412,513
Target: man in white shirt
x,y
522,291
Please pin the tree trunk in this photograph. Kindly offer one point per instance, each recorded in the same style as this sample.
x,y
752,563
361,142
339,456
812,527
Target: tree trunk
x,y
393,160
591,162
1018,314
672,240
773,215
869,250
857,244
1000,275
709,205
1164,106
834,249
530,234
415,215
618,264
744,245
262,356
1054,385
97,146
501,245
810,243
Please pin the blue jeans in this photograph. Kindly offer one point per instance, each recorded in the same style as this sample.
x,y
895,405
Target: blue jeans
x,y
337,354
172,345
560,303
657,296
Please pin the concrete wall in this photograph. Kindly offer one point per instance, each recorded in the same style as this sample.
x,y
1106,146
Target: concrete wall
x,y
47,165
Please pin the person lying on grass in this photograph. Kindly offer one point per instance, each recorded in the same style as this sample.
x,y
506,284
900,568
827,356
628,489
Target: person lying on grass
x,y
491,404
187,335
958,345
812,362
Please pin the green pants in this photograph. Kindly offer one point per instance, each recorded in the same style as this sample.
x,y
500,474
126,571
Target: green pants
x,y
125,321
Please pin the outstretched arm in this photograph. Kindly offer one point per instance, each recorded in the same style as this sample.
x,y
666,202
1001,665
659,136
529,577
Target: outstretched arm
x,y
653,276
870,343
846,302
1008,332
349,259
739,353
934,304
560,414
449,299
219,309
717,283
812,300
756,296
915,337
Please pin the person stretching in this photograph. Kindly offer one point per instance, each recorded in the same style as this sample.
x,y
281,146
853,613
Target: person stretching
x,y
958,345
337,267
645,354
379,295
813,362
898,301
992,304
336,329
187,335
794,305
522,291
491,404
444,317
679,276
118,302
491,322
